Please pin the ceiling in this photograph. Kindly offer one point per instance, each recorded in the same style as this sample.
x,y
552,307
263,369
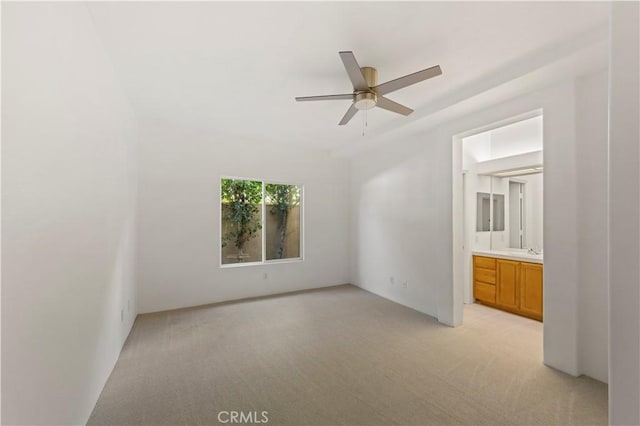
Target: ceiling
x,y
235,68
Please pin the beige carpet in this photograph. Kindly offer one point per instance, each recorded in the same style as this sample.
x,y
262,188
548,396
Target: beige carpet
x,y
340,356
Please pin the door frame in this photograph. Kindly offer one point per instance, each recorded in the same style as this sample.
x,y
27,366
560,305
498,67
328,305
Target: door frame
x,y
462,259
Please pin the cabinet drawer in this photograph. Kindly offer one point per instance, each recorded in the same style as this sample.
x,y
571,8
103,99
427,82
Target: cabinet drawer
x,y
485,275
484,262
484,292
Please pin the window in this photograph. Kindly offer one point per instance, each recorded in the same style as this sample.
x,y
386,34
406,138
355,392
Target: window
x,y
260,221
282,221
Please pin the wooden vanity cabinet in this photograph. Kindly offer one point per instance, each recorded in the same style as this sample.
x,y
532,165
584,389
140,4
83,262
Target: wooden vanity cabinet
x,y
484,279
509,285
531,290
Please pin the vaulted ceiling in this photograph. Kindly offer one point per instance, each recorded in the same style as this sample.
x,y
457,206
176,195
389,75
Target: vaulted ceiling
x,y
234,68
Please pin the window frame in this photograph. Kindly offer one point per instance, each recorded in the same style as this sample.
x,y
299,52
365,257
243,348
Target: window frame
x,y
264,260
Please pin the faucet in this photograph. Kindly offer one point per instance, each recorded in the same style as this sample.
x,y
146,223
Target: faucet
x,y
533,251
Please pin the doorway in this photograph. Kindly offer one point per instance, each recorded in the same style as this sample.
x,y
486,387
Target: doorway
x,y
502,219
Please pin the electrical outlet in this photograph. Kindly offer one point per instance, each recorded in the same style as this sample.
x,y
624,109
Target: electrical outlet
x,y
392,280
265,276
405,284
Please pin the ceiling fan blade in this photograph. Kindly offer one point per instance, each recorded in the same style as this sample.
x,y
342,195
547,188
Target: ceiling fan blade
x,y
390,105
353,69
348,115
407,80
325,97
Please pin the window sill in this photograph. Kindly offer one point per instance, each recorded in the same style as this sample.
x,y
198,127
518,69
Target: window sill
x,y
266,262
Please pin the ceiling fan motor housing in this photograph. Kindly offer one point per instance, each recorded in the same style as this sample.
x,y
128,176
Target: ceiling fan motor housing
x,y
367,99
370,75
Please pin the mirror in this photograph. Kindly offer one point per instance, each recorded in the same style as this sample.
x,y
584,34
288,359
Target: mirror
x,y
486,212
514,205
483,212
498,212
525,211
516,214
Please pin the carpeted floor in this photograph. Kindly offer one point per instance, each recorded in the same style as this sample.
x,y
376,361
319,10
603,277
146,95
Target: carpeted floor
x,y
340,356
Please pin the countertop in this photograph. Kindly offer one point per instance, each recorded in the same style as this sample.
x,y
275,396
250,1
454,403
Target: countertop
x,y
511,254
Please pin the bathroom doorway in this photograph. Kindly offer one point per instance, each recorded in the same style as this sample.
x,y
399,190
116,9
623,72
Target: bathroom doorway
x,y
502,208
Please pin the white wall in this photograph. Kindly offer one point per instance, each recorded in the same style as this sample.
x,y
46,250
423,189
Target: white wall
x,y
68,194
179,216
624,216
591,133
400,209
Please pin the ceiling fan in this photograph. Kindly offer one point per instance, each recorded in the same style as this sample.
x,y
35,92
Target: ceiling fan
x,y
367,93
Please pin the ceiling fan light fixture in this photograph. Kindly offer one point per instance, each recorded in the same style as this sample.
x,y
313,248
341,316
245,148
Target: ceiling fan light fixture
x,y
367,93
365,100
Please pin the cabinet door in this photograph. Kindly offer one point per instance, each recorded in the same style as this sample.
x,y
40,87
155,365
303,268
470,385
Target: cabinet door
x,y
531,289
507,286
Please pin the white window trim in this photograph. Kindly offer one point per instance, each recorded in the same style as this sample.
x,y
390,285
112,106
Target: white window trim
x,y
264,260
